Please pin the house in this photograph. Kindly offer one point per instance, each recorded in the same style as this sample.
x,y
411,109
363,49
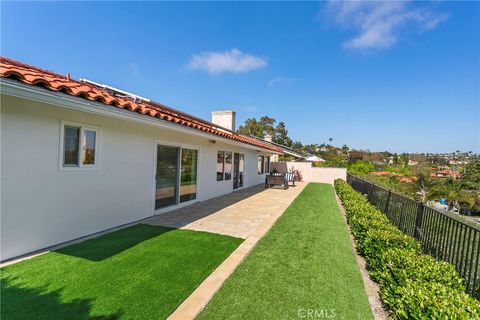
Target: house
x,y
412,163
314,158
287,151
78,158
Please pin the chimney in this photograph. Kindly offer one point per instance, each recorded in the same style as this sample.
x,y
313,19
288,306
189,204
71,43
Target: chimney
x,y
224,119
268,137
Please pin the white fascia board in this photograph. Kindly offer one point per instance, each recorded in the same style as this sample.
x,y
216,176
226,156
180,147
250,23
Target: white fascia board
x,y
21,90
293,153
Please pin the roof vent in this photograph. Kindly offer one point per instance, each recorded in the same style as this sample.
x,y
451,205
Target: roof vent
x,y
116,91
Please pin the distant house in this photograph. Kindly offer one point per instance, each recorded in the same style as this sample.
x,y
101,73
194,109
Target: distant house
x,y
285,150
445,174
79,157
412,163
381,173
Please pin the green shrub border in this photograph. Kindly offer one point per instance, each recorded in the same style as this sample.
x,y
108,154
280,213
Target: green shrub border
x,y
413,285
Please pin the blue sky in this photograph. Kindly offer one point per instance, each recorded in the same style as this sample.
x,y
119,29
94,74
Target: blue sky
x,y
402,77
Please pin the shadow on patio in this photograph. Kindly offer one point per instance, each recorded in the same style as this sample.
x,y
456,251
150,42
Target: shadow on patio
x,y
236,214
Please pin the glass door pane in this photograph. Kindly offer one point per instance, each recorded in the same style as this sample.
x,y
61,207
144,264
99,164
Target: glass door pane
x,y
188,176
167,176
241,167
236,166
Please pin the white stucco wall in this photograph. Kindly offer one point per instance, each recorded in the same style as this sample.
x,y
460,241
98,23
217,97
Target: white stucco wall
x,y
311,174
42,205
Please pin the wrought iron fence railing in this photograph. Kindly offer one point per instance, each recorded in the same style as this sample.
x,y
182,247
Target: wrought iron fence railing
x,y
441,235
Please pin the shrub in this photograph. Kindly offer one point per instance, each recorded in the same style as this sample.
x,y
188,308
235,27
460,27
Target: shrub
x,y
413,285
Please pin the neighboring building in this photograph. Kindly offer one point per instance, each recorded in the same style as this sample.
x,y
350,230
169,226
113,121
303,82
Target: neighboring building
x,y
412,163
78,158
445,174
381,173
314,158
285,150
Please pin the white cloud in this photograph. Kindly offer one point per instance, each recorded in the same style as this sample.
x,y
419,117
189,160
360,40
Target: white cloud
x,y
380,23
232,60
279,81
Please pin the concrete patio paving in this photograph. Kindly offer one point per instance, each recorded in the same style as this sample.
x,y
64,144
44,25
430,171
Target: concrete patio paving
x,y
246,214
237,214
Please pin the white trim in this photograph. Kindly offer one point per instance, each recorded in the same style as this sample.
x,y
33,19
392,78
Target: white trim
x,y
35,93
179,204
81,166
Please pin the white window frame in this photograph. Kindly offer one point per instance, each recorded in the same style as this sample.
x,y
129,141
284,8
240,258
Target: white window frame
x,y
224,164
216,163
80,166
262,166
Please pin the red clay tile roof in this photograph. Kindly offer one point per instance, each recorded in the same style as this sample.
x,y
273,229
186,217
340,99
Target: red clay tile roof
x,y
52,81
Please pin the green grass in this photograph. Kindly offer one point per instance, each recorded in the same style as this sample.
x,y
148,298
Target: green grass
x,y
305,262
141,272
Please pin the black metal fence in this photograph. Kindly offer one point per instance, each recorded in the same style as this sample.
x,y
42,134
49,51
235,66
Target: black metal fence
x,y
441,235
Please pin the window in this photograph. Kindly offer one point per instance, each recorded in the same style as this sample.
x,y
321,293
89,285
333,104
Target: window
x,y
266,165
79,146
220,165
88,147
260,164
70,146
224,165
228,165
263,165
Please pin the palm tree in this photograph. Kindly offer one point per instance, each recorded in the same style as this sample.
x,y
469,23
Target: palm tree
x,y
423,183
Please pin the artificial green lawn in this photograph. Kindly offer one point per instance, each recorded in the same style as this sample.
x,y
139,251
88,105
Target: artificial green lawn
x,y
142,272
304,265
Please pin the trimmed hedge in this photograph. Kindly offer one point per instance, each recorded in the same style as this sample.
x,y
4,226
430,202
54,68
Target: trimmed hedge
x,y
413,285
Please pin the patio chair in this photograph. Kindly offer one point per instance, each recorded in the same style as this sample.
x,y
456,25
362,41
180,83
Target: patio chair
x,y
290,178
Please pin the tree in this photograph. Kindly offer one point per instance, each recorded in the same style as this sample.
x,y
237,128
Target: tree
x,y
345,148
355,155
252,127
404,158
360,167
281,135
266,125
297,146
471,177
423,183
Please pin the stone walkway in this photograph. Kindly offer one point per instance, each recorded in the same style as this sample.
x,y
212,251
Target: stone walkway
x,y
246,214
237,214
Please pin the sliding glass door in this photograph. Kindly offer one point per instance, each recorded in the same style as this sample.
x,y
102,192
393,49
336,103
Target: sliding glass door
x,y
166,176
188,180
176,176
238,167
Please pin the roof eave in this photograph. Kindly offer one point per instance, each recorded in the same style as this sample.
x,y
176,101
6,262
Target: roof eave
x,y
18,89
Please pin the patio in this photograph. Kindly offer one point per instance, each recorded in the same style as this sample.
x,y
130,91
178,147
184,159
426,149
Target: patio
x,y
239,214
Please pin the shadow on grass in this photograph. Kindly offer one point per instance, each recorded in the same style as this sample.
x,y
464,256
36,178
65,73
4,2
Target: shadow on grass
x,y
41,304
111,244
